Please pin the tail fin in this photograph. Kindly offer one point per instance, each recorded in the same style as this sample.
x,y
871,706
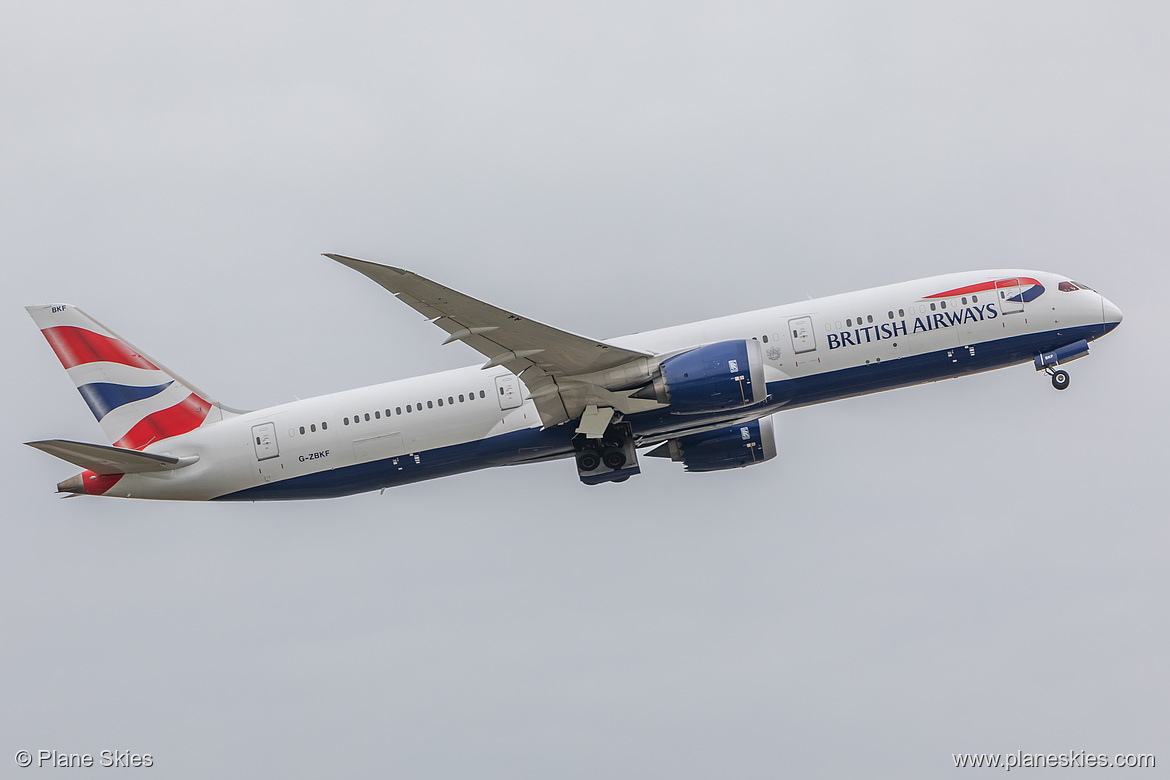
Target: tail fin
x,y
135,398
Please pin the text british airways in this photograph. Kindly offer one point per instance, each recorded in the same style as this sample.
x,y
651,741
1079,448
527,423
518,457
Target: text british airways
x,y
903,327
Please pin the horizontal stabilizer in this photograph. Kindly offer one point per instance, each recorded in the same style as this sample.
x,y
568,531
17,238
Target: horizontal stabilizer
x,y
101,459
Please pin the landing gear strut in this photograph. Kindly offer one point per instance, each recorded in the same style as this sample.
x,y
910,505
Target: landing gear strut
x,y
1060,378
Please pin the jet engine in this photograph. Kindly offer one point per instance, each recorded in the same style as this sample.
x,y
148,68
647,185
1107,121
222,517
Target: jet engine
x,y
725,448
711,378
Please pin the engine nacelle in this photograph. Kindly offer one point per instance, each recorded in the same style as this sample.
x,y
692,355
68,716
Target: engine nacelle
x,y
710,378
726,448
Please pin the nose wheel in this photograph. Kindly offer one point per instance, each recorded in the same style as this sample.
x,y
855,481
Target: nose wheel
x,y
1060,379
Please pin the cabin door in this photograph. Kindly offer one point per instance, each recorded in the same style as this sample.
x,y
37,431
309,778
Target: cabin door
x,y
264,440
508,391
801,330
1011,296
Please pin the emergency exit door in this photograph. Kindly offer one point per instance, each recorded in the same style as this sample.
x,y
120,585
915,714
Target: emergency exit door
x,y
264,440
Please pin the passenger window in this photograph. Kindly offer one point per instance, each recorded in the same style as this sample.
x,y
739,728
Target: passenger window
x,y
765,338
430,404
964,300
461,398
944,304
367,416
302,430
324,426
313,427
482,394
377,415
408,408
440,402
450,400
901,313
346,421
848,324
932,307
869,318
974,299
398,410
891,314
387,412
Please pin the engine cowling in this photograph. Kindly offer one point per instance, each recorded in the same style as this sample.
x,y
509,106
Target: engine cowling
x,y
726,448
711,378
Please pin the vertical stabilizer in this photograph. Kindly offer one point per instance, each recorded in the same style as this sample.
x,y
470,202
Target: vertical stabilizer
x,y
136,399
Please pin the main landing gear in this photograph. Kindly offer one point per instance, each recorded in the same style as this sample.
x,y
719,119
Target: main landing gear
x,y
611,458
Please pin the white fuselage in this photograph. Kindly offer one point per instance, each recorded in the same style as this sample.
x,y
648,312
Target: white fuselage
x,y
468,418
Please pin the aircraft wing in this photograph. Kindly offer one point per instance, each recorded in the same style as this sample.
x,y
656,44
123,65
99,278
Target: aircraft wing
x,y
540,354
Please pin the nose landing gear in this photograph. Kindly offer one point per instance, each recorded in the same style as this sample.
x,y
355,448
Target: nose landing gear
x,y
1048,361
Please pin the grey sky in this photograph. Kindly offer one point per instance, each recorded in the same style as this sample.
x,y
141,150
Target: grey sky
x,y
976,565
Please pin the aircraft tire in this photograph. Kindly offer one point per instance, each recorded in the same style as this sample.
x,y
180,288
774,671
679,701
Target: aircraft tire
x,y
1060,380
588,460
614,459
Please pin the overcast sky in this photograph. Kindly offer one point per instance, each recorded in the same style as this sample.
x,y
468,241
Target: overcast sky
x,y
975,565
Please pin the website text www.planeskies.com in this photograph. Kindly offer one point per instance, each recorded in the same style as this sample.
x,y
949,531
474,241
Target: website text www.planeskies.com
x,y
1073,759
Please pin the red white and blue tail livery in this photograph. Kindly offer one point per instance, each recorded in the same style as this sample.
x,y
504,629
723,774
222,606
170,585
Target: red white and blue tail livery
x,y
701,394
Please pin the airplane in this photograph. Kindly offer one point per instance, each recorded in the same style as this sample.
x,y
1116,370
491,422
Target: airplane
x,y
701,394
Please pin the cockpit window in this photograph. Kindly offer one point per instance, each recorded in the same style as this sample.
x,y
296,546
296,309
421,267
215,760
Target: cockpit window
x,y
1067,287
1084,287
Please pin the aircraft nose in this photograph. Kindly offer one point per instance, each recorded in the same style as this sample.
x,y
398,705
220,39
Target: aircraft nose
x,y
1110,314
